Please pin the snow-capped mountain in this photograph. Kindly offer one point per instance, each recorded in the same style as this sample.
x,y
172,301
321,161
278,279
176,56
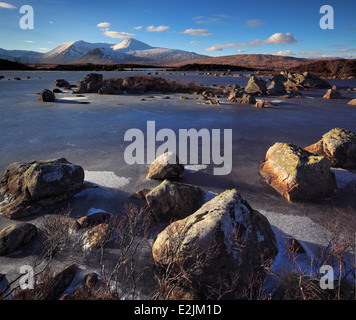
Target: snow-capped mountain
x,y
70,51
21,56
128,50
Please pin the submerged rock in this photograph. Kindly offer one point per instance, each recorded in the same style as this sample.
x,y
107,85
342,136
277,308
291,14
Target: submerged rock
x,y
28,187
166,166
231,239
339,146
16,235
172,200
298,174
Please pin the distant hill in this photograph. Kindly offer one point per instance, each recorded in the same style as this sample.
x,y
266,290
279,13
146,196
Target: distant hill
x,y
256,61
340,68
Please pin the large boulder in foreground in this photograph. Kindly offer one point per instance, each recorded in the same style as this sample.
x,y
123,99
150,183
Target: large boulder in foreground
x,y
228,238
16,235
256,85
28,187
91,83
166,166
339,146
298,174
172,200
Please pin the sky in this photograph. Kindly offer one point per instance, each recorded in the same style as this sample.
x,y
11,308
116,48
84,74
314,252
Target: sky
x,y
214,28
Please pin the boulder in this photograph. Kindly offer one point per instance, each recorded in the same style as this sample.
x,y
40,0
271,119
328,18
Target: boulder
x,y
59,283
352,102
298,174
16,235
276,88
256,85
292,85
279,77
112,87
91,219
91,83
339,146
166,166
311,81
128,82
28,187
61,83
235,94
99,235
138,88
46,96
231,239
260,104
243,99
333,94
172,200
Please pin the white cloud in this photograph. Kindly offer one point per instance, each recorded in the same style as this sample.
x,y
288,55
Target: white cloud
x,y
43,49
103,25
284,53
240,51
117,35
6,5
198,32
254,23
194,43
157,29
223,46
51,22
138,28
30,41
277,38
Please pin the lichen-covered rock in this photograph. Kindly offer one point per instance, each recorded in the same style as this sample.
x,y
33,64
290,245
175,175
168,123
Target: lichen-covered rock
x,y
16,235
166,166
230,237
28,187
256,85
172,200
298,174
91,219
339,146
47,96
91,83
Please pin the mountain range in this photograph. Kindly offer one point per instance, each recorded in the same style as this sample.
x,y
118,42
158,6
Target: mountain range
x,y
127,51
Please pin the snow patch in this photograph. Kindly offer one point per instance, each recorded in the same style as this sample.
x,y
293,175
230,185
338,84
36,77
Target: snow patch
x,y
106,179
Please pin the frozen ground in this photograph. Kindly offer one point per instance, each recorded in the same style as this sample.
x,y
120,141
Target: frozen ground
x,y
92,135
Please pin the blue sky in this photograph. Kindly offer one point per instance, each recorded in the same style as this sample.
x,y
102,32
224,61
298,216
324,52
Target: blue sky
x,y
215,28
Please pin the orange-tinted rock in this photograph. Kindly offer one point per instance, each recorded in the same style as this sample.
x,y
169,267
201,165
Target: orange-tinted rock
x,y
298,174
